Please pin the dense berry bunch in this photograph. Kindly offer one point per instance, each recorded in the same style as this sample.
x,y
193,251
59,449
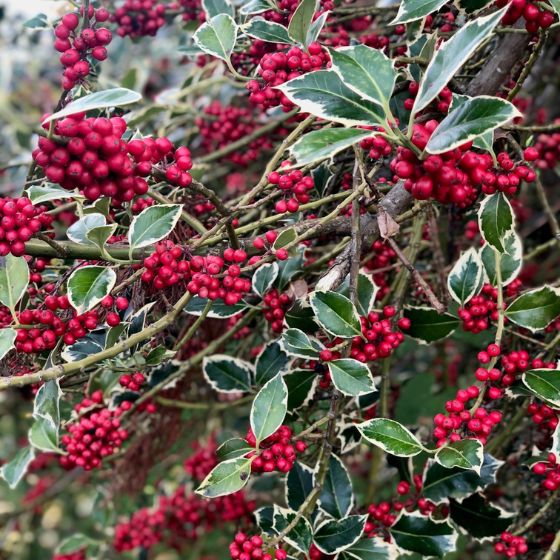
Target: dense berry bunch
x,y
279,67
275,306
380,338
510,545
191,10
546,151
19,221
58,320
376,146
78,555
138,18
441,103
132,382
244,547
276,453
380,258
227,124
455,176
166,266
480,310
550,469
544,416
295,187
94,434
80,47
202,461
535,16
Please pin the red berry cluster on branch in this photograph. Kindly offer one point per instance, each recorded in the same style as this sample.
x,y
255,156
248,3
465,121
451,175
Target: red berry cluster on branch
x,y
95,433
279,67
295,186
441,103
535,16
511,546
19,221
550,469
480,310
275,306
78,48
244,547
276,453
139,18
78,555
202,461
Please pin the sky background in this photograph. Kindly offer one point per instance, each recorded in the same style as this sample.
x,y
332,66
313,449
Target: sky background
x,y
31,7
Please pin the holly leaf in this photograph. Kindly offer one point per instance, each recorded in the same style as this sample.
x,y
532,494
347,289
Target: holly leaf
x,y
226,478
269,408
536,309
391,436
464,280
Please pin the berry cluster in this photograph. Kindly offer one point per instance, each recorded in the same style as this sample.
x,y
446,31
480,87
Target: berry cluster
x,y
132,382
480,310
94,434
535,17
279,67
510,545
244,547
441,103
48,325
202,461
455,176
166,266
78,46
78,555
276,453
227,124
550,469
275,306
376,146
19,221
546,151
544,416
139,18
460,423
295,186
381,257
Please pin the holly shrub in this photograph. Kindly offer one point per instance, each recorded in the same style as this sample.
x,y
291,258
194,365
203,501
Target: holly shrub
x,y
279,280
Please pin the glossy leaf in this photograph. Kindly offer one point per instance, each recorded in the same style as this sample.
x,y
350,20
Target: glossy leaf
x,y
78,231
214,7
479,518
369,549
219,309
301,20
14,278
411,10
88,285
366,292
43,193
226,374
337,497
7,340
510,262
299,483
496,220
336,314
545,384
332,537
226,478
301,385
116,97
13,471
464,279
296,343
428,325
464,454
269,31
351,377
269,408
217,36
324,94
271,361
233,448
264,277
536,309
153,224
301,536
390,436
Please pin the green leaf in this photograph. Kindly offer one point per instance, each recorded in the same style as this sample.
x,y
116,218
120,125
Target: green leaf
x,y
301,536
226,374
297,343
75,543
556,6
116,97
473,118
268,31
464,279
452,55
510,262
7,339
325,143
153,224
214,7
42,436
390,436
440,483
88,285
40,21
369,549
219,309
545,384
271,361
351,377
332,537
496,220
217,37
337,498
479,518
422,535
536,309
428,325
14,278
254,7
233,448
226,478
269,408
99,235
366,292
366,71
299,483
336,314
15,470
464,454
410,10
264,277
39,193
301,20
300,316
316,27
78,231
301,385
323,94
